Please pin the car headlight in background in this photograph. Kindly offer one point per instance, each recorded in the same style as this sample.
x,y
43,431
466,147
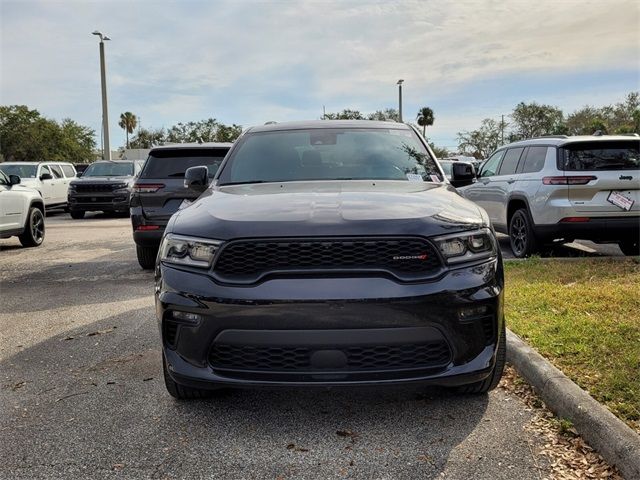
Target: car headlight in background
x,y
121,188
467,246
188,251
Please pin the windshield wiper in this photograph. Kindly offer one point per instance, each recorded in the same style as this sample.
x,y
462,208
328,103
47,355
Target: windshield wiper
x,y
249,182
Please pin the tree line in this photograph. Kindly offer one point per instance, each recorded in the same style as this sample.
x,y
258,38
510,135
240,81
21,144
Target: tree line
x,y
529,120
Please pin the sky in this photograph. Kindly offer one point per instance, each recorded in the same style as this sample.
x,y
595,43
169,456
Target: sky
x,y
248,62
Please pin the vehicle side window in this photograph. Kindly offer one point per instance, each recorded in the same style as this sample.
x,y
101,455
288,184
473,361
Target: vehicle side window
x,y
534,160
44,169
510,162
490,167
68,171
3,180
57,171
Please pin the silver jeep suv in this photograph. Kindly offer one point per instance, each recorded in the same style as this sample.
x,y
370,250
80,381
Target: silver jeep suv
x,y
559,188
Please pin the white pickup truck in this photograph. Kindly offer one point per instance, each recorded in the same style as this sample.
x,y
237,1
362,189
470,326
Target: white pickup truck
x,y
21,212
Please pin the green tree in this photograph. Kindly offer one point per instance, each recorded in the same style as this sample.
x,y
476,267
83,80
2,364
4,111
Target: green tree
x,y
481,142
128,122
209,130
534,120
582,121
388,114
425,118
148,138
346,114
228,133
441,152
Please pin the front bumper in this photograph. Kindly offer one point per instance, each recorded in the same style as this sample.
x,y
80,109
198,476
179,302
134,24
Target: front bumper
x,y
331,331
99,201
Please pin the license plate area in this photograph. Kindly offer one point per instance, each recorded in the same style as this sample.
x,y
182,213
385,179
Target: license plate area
x,y
619,199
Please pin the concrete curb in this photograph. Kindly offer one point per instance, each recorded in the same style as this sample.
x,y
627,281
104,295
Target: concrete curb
x,y
612,438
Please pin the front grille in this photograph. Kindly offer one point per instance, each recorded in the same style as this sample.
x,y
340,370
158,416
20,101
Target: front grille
x,y
93,188
298,359
405,257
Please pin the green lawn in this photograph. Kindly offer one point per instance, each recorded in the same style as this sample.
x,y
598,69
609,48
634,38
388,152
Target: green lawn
x,y
584,316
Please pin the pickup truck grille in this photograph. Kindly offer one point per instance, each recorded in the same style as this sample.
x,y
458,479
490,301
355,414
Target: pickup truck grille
x,y
405,257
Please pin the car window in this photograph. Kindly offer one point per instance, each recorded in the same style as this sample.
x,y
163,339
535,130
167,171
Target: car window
x,y
57,171
490,167
173,163
68,171
23,171
533,160
330,154
44,169
601,155
510,162
3,180
109,169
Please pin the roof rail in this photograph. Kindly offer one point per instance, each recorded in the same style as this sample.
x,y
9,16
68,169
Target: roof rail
x,y
549,136
628,134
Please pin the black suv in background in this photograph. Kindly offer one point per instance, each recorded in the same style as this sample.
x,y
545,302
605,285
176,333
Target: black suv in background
x,y
159,191
104,186
329,253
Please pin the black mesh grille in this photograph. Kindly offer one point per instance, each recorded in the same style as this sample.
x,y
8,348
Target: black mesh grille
x,y
360,358
170,332
487,329
404,257
96,187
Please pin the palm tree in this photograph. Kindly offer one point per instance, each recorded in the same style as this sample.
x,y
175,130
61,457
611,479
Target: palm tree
x,y
128,122
425,118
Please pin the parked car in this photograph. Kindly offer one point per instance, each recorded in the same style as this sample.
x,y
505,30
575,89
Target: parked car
x,y
159,191
104,186
447,168
21,211
50,179
563,188
329,253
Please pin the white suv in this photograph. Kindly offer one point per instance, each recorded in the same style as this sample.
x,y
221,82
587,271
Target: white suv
x,y
561,188
21,212
51,179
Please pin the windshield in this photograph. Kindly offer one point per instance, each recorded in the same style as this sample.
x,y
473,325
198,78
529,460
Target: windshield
x,y
109,169
330,154
619,155
173,163
23,171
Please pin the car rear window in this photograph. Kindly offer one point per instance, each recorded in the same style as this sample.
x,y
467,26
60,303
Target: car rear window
x,y
614,155
173,163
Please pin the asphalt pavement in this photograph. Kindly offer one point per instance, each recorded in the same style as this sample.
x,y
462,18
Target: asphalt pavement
x,y
82,394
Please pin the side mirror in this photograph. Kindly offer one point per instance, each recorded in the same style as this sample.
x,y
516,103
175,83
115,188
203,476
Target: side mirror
x,y
14,179
196,178
462,174
46,176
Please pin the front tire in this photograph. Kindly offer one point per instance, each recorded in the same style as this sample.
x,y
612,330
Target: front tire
x,y
34,229
521,235
181,392
492,380
77,214
631,248
147,257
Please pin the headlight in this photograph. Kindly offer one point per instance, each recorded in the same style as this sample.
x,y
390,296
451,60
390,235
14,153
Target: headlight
x,y
193,252
120,188
468,246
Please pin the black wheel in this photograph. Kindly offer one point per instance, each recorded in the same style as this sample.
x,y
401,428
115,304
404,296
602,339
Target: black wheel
x,y
147,256
77,214
521,234
631,248
180,391
33,234
492,380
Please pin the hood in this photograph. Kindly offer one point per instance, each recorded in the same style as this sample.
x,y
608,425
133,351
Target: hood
x,y
28,182
82,180
25,187
327,209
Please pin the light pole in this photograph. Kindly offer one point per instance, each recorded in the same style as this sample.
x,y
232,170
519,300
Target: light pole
x,y
400,99
106,151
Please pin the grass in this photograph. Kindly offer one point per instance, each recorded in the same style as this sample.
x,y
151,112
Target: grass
x,y
584,316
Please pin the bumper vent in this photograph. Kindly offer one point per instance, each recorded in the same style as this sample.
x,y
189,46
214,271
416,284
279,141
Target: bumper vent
x,y
290,359
407,258
170,332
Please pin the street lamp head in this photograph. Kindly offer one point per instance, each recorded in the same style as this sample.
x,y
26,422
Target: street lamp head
x,y
400,82
101,35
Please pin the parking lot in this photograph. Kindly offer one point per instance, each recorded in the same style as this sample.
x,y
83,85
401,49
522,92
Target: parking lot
x,y
82,392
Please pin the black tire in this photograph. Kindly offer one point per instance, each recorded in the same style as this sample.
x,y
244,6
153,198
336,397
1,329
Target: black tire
x,y
180,391
147,257
77,214
492,380
521,234
34,229
631,248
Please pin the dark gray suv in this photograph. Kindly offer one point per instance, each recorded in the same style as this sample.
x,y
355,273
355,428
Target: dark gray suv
x,y
329,253
159,191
